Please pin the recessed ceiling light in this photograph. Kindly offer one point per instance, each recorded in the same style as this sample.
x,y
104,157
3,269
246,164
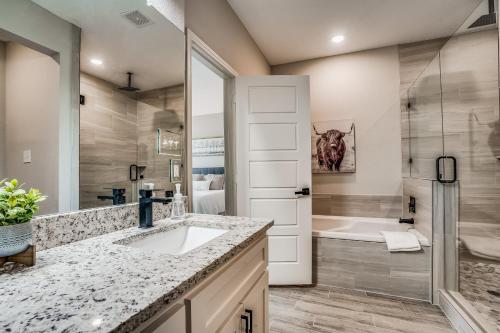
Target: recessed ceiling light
x,y
96,61
338,39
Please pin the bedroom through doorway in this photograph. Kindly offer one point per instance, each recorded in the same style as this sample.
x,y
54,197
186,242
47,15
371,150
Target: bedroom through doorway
x,y
208,142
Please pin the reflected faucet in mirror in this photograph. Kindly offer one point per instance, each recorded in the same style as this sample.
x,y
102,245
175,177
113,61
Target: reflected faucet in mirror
x,y
118,196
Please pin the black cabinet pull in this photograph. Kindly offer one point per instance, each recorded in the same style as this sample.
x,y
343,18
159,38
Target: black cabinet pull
x,y
440,174
245,319
304,191
250,315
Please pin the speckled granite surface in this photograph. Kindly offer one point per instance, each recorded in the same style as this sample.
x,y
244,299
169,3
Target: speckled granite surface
x,y
98,285
59,229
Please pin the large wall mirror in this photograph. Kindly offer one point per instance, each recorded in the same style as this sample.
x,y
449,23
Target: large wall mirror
x,y
119,126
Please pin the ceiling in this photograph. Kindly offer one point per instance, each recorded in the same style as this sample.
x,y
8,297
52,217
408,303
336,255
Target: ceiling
x,y
153,52
293,30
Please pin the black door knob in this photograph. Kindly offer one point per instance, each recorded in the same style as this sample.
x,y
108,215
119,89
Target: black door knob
x,y
304,191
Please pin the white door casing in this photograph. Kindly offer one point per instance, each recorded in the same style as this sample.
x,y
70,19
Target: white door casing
x,y
273,154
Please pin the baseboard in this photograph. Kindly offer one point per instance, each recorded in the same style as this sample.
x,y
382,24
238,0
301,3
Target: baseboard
x,y
458,316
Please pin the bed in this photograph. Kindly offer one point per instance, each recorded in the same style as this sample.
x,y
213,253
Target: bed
x,y
208,198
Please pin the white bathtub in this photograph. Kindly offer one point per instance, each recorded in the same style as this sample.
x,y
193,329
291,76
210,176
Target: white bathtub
x,y
359,228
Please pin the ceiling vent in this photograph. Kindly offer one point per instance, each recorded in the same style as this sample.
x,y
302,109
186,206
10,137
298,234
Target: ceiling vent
x,y
137,18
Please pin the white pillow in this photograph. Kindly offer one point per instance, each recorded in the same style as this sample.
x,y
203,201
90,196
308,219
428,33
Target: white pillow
x,y
201,185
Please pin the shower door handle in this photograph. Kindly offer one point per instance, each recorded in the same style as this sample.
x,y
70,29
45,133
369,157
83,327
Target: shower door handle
x,y
440,173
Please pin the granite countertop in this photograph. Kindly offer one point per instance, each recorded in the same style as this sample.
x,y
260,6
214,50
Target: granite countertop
x,y
98,285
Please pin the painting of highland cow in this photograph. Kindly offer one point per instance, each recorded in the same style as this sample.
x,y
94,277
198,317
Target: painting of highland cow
x,y
333,147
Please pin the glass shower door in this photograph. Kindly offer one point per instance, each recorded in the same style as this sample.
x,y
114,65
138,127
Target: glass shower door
x,y
471,132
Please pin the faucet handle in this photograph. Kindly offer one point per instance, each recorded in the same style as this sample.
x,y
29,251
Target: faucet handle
x,y
146,193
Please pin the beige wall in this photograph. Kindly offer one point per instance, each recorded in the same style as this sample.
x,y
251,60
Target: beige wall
x,y
53,35
215,22
32,121
2,109
362,86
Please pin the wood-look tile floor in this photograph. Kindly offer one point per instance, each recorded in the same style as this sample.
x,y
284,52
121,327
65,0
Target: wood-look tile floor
x,y
325,309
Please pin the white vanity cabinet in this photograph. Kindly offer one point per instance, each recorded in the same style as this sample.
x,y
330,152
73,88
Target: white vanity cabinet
x,y
229,300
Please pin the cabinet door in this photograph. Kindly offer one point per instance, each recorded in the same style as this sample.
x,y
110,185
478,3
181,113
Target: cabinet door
x,y
233,322
255,305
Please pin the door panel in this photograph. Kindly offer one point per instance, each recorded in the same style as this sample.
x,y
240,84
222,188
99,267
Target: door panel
x,y
273,137
273,174
273,162
283,210
272,99
283,248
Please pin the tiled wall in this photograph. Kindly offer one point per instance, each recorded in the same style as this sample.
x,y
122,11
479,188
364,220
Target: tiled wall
x,y
471,122
357,205
159,108
463,84
108,140
369,266
118,129
421,190
414,60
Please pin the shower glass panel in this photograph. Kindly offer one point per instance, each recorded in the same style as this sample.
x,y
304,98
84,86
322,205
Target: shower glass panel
x,y
453,111
425,122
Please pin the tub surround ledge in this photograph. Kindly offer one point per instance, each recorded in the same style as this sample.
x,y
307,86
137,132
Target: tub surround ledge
x,y
99,285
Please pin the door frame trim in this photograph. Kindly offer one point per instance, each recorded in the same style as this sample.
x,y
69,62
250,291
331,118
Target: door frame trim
x,y
195,45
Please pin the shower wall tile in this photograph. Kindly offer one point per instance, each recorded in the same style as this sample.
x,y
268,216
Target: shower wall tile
x,y
108,140
471,124
357,205
118,129
159,108
421,190
414,58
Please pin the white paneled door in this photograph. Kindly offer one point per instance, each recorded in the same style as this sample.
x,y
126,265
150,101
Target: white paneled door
x,y
273,153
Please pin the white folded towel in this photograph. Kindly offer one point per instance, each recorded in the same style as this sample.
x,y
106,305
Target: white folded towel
x,y
401,241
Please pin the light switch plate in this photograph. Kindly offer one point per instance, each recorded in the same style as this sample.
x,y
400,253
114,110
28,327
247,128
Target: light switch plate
x,y
27,156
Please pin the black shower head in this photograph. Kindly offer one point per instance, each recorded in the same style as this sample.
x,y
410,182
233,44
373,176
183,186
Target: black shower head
x,y
129,87
486,19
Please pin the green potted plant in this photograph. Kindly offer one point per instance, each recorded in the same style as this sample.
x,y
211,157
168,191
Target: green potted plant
x,y
17,208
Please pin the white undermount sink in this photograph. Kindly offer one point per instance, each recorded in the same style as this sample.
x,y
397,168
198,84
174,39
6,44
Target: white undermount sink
x,y
179,240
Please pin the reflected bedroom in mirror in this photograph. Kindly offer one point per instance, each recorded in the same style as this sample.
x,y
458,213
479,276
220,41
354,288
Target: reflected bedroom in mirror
x,y
130,130
208,145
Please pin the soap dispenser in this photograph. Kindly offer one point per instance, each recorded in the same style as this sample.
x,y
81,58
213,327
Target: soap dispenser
x,y
178,209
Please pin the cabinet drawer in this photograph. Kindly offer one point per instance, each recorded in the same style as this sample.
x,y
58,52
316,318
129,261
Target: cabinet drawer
x,y
208,306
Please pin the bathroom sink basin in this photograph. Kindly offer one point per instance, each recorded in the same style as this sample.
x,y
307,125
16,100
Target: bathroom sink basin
x,y
179,240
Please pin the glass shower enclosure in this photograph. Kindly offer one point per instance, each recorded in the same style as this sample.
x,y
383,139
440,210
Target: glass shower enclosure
x,y
451,141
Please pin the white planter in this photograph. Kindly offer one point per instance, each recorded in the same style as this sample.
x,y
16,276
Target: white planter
x,y
14,239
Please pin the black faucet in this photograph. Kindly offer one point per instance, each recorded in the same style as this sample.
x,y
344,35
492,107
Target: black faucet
x,y
409,221
118,196
146,200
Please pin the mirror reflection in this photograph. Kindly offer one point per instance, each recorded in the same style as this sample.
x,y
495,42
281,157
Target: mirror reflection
x,y
208,152
130,130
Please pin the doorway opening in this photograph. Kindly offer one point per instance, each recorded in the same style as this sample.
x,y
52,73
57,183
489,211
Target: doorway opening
x,y
209,130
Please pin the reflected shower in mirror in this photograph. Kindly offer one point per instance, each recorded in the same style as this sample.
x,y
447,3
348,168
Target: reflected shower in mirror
x,y
131,89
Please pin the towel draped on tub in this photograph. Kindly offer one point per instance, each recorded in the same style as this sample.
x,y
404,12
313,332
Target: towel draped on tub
x,y
401,241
